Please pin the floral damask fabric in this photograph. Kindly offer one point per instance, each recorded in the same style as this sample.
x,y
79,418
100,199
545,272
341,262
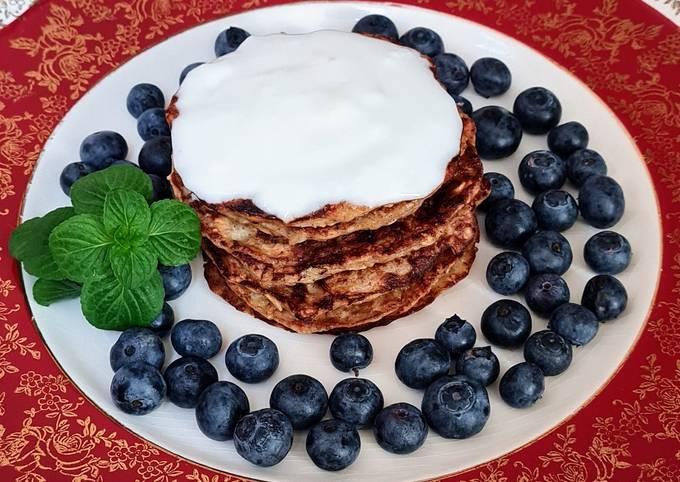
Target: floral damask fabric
x,y
621,49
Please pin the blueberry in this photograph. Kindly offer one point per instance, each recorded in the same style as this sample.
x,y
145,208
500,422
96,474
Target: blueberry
x,y
601,201
456,335
263,437
542,170
452,72
229,40
161,188
333,445
490,77
423,40
351,352
199,338
377,25
501,188
422,361
577,324
400,428
548,351
156,156
186,379
137,344
555,210
545,292
479,364
456,407
463,104
522,385
71,173
537,109
605,296
506,323
187,69
137,388
143,97
176,280
152,123
547,252
252,358
607,252
567,138
356,401
98,150
509,223
219,408
582,164
162,324
302,399
498,132
507,272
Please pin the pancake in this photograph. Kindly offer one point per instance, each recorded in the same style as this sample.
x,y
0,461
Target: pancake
x,y
394,304
354,281
332,220
365,249
343,267
348,286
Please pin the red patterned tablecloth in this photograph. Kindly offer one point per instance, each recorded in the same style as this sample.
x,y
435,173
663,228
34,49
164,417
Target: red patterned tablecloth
x,y
624,50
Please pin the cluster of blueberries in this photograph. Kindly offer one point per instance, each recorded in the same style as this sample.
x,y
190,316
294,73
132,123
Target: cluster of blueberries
x,y
298,402
102,149
545,254
452,371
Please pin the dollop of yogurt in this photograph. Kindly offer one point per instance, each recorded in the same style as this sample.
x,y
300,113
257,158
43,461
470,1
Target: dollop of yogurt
x,y
296,122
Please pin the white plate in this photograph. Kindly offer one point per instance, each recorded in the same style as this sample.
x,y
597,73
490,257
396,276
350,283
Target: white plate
x,y
83,351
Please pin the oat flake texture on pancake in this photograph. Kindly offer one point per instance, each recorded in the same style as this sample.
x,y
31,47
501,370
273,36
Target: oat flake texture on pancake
x,y
344,217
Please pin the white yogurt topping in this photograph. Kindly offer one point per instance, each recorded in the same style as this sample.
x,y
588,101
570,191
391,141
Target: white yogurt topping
x,y
295,122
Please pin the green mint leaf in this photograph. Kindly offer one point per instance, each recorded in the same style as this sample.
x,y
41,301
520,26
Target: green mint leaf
x,y
88,193
174,232
109,305
132,266
29,243
80,246
46,292
127,214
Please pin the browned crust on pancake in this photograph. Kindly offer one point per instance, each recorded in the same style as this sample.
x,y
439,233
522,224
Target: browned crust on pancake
x,y
348,286
311,304
387,312
324,261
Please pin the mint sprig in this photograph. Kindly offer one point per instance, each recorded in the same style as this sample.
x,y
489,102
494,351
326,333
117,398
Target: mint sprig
x,y
132,267
80,246
109,305
89,193
111,242
174,232
29,243
47,291
126,216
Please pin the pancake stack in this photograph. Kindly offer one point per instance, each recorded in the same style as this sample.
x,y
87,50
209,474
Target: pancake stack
x,y
344,267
